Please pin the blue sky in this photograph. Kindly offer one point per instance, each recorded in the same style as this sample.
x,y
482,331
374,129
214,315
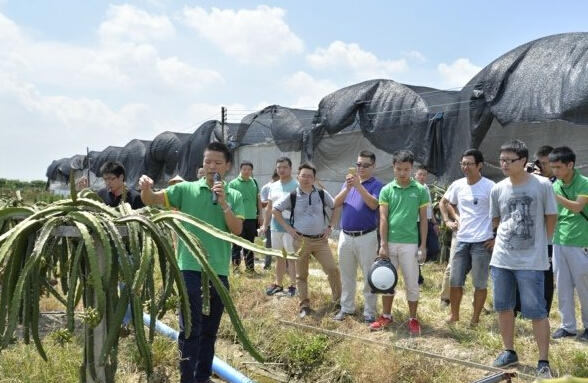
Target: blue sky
x,y
89,74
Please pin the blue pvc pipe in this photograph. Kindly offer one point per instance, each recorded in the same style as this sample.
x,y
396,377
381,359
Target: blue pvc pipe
x,y
219,367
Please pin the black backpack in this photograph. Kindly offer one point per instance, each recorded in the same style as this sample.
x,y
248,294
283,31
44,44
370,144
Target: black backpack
x,y
321,194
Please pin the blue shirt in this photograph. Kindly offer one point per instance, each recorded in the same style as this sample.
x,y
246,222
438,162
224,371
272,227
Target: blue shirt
x,y
277,191
357,216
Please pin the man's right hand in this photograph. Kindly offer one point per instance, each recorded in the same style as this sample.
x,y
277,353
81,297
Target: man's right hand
x,y
82,183
145,183
290,230
348,182
352,180
383,252
453,225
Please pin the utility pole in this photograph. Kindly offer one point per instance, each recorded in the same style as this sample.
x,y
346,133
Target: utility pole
x,y
88,162
223,121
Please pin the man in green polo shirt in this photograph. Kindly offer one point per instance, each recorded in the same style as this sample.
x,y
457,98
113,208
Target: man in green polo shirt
x,y
570,241
224,211
402,202
248,188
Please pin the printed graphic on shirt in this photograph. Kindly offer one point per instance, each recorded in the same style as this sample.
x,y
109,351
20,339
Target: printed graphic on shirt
x,y
519,227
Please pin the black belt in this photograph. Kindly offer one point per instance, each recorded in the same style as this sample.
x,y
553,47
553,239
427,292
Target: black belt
x,y
310,236
359,232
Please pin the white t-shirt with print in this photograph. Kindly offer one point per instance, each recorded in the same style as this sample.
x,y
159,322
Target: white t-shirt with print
x,y
473,203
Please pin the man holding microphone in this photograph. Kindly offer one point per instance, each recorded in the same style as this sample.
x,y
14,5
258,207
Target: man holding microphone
x,y
210,200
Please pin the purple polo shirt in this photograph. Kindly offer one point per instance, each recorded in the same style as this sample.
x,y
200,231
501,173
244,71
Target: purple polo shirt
x,y
357,216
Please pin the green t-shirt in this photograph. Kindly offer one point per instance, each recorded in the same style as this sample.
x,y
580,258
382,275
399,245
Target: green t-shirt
x,y
195,198
404,204
572,228
249,191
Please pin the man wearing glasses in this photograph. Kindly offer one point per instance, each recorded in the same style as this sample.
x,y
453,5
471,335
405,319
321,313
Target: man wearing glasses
x,y
113,174
524,211
358,242
471,197
310,228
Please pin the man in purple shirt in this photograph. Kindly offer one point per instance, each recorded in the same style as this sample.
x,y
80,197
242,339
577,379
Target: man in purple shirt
x,y
358,242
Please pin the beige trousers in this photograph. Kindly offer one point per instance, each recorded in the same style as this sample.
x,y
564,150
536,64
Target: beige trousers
x,y
319,248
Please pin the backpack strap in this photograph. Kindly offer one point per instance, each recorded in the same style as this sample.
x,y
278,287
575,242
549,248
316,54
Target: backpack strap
x,y
321,193
292,205
256,196
565,195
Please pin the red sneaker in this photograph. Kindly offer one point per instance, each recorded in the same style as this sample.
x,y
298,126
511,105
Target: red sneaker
x,y
380,323
414,328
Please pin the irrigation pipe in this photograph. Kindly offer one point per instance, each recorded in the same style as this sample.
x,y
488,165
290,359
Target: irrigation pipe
x,y
414,350
219,367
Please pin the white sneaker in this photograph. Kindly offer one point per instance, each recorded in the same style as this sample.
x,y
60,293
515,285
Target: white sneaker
x,y
543,371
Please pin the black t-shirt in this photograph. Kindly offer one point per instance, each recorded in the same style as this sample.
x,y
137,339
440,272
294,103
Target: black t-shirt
x,y
133,198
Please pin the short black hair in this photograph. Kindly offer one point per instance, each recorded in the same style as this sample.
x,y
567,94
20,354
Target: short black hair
x,y
220,147
284,159
368,154
422,167
307,165
246,163
113,167
563,154
517,147
478,156
402,155
543,151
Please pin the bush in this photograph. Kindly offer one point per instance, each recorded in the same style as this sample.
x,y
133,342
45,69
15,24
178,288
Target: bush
x,y
306,353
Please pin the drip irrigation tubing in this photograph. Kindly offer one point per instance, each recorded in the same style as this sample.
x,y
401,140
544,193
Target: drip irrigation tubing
x,y
413,350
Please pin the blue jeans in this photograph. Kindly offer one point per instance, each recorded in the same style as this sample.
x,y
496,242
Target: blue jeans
x,y
529,284
470,256
197,351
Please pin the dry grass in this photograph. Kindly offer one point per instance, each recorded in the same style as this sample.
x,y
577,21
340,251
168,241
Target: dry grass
x,y
304,355
384,356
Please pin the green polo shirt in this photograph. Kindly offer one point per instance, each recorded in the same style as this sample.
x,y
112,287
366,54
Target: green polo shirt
x,y
249,191
404,204
572,228
195,198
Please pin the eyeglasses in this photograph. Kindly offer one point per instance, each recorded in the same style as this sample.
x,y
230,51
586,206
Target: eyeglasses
x,y
508,161
362,165
109,178
466,164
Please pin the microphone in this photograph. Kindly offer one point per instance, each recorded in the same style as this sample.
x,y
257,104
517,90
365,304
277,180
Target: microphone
x,y
215,178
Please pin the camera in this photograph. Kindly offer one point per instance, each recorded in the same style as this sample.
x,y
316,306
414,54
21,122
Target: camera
x,y
534,166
